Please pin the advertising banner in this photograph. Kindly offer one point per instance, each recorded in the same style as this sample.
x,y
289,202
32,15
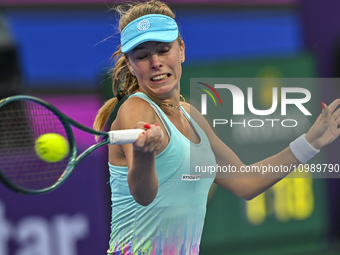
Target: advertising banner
x,y
293,217
53,2
72,219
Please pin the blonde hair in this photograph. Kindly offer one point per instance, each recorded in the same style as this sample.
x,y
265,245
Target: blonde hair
x,y
123,80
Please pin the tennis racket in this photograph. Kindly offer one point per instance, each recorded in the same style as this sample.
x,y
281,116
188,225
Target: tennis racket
x,y
22,120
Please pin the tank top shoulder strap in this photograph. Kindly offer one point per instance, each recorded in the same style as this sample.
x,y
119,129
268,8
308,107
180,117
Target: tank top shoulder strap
x,y
156,108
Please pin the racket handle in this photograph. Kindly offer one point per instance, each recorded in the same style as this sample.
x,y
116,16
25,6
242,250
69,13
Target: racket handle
x,y
124,136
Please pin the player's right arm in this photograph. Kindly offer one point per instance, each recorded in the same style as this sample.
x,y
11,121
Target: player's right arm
x,y
140,156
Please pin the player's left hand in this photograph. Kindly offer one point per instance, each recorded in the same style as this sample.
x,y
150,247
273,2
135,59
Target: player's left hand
x,y
326,127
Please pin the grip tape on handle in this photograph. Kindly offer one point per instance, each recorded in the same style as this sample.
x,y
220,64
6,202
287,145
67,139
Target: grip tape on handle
x,y
124,136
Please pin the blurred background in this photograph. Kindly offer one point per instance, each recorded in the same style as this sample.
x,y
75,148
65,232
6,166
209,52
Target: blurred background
x,y
59,50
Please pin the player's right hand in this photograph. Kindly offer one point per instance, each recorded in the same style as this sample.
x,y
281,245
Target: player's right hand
x,y
151,140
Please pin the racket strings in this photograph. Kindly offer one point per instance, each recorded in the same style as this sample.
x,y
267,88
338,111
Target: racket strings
x,y
21,123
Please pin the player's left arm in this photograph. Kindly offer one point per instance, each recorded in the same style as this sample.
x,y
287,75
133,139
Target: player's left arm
x,y
324,131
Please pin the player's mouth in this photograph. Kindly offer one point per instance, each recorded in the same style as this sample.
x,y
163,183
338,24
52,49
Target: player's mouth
x,y
160,77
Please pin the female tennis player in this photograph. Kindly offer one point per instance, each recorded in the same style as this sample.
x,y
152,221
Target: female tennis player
x,y
157,207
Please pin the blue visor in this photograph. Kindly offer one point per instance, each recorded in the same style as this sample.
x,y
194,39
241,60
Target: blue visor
x,y
152,27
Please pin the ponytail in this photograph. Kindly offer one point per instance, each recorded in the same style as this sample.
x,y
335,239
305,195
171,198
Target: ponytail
x,y
104,114
123,81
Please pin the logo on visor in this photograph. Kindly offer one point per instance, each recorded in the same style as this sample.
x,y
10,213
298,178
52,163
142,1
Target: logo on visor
x,y
143,25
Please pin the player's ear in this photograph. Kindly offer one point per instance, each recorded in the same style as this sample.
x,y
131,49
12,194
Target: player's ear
x,y
182,49
129,65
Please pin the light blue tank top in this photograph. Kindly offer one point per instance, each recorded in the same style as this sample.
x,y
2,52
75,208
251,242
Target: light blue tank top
x,y
172,224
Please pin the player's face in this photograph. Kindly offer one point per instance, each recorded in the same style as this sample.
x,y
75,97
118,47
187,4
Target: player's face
x,y
157,67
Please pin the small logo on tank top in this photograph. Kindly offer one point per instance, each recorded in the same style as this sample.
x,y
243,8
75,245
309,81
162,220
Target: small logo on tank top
x,y
191,177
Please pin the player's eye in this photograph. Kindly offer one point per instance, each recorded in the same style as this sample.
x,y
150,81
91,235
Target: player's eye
x,y
165,50
141,56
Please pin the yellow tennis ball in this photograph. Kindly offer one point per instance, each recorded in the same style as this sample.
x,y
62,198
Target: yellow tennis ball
x,y
51,147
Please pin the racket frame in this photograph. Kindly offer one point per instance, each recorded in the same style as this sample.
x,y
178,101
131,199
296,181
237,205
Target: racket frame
x,y
67,122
